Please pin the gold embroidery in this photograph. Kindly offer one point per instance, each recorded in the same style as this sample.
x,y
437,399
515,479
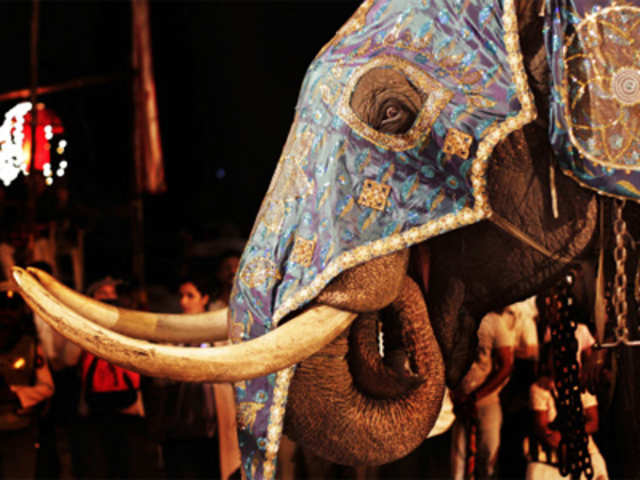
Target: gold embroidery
x,y
438,200
601,87
347,208
366,162
437,98
258,271
374,195
389,173
289,181
457,143
342,149
303,251
478,101
330,90
367,223
247,412
356,22
394,33
324,197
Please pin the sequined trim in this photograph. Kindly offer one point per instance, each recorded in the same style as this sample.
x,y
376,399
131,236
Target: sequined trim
x,y
302,253
457,143
374,195
438,97
572,175
356,22
276,418
466,216
609,89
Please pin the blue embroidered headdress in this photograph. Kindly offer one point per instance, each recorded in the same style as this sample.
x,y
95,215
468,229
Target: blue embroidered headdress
x,y
344,193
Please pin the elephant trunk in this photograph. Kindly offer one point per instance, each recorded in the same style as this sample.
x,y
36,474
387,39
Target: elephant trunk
x,y
352,406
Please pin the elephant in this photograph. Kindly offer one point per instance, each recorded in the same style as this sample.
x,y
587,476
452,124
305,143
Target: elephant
x,y
417,190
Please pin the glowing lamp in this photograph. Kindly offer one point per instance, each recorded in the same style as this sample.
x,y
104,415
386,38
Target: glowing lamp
x,y
15,143
19,363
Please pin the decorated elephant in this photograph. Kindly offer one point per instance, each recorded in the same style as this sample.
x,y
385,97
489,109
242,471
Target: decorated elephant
x,y
416,191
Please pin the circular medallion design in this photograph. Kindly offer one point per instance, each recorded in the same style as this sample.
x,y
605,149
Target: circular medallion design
x,y
625,86
601,87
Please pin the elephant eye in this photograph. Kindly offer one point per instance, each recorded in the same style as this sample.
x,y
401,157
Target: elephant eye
x,y
386,100
392,102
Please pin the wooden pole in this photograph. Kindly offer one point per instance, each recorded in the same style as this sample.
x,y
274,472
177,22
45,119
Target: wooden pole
x,y
137,204
31,185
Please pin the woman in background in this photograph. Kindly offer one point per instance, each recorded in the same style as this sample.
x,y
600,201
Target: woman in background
x,y
198,430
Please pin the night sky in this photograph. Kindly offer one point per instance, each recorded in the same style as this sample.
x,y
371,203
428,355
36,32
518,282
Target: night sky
x,y
227,77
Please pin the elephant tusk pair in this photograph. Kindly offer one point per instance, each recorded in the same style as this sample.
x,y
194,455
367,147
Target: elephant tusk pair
x,y
286,345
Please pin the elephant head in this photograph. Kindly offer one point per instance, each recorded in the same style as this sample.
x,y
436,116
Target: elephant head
x,y
412,196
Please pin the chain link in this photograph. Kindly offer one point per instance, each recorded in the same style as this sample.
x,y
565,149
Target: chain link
x,y
619,297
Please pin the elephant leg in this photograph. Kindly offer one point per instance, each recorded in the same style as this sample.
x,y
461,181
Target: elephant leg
x,y
352,406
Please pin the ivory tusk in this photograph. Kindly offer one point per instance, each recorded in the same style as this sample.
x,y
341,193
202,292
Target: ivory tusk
x,y
158,327
285,346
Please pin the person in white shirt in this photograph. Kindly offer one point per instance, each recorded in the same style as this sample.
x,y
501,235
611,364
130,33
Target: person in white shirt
x,y
499,336
542,448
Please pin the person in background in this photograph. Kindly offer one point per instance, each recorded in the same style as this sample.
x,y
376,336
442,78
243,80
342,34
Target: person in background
x,y
54,457
542,446
113,439
514,397
194,429
25,386
225,271
477,399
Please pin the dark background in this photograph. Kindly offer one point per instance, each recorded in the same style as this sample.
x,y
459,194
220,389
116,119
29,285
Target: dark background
x,y
227,77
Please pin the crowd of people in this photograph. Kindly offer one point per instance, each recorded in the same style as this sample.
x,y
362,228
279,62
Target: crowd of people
x,y
65,413
508,405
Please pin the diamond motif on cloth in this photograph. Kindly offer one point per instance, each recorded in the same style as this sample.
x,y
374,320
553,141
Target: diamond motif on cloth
x,y
258,272
374,195
457,143
303,251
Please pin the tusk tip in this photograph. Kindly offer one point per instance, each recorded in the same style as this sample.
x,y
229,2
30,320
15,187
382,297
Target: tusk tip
x,y
35,271
17,272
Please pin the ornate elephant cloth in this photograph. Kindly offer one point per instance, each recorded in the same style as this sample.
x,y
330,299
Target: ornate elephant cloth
x,y
344,193
594,54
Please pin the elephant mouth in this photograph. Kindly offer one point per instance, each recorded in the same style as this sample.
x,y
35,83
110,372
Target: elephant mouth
x,y
120,335
385,353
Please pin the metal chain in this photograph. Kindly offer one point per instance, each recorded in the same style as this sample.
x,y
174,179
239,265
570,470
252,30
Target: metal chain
x,y
619,296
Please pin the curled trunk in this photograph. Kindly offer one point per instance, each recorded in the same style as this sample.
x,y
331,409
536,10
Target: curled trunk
x,y
370,410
